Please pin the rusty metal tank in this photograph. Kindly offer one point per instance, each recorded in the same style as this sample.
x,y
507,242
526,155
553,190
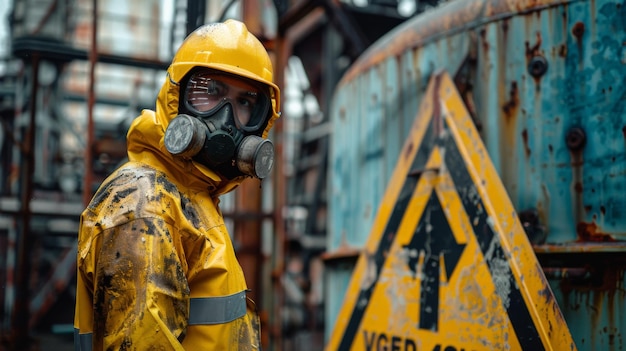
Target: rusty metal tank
x,y
544,83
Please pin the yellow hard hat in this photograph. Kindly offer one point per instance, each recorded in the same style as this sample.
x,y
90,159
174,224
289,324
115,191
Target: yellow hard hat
x,y
227,47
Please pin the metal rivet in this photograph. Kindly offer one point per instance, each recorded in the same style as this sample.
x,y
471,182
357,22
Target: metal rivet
x,y
575,138
537,66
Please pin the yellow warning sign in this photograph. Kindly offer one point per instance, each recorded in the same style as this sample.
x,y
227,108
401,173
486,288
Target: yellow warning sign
x,y
447,266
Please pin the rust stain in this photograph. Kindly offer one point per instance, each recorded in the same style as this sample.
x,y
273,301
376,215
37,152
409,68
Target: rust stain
x,y
578,30
508,130
485,43
578,187
576,164
562,50
525,138
589,232
511,106
505,27
532,51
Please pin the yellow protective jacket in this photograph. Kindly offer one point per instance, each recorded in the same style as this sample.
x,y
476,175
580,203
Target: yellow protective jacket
x,y
156,266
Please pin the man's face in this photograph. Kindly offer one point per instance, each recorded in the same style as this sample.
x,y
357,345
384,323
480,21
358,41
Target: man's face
x,y
207,90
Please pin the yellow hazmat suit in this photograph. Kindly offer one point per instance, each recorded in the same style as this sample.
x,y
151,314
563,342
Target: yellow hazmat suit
x,y
156,266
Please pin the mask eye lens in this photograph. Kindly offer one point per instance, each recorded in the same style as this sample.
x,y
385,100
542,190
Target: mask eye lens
x,y
208,90
204,93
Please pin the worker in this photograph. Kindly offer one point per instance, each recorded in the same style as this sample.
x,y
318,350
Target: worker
x,y
156,266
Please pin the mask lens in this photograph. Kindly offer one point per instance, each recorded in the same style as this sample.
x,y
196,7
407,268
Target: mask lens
x,y
206,91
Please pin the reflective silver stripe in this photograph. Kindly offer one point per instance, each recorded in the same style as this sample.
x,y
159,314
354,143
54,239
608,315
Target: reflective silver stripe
x,y
82,342
216,310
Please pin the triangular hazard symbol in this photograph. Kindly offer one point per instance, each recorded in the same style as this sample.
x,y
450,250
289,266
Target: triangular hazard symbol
x,y
447,265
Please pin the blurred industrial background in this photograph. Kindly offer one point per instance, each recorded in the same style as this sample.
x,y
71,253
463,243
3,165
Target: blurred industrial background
x,y
540,80
73,75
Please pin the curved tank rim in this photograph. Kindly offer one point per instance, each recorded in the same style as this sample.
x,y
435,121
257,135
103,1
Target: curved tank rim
x,y
447,19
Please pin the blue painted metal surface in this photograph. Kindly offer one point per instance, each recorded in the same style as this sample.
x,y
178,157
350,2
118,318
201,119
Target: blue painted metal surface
x,y
545,83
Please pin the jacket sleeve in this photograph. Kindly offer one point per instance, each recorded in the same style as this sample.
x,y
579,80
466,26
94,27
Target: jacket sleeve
x,y
140,294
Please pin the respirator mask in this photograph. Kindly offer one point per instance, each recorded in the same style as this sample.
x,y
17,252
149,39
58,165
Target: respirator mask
x,y
220,123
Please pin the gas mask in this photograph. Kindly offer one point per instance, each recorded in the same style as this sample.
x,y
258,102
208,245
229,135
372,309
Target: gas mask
x,y
220,123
